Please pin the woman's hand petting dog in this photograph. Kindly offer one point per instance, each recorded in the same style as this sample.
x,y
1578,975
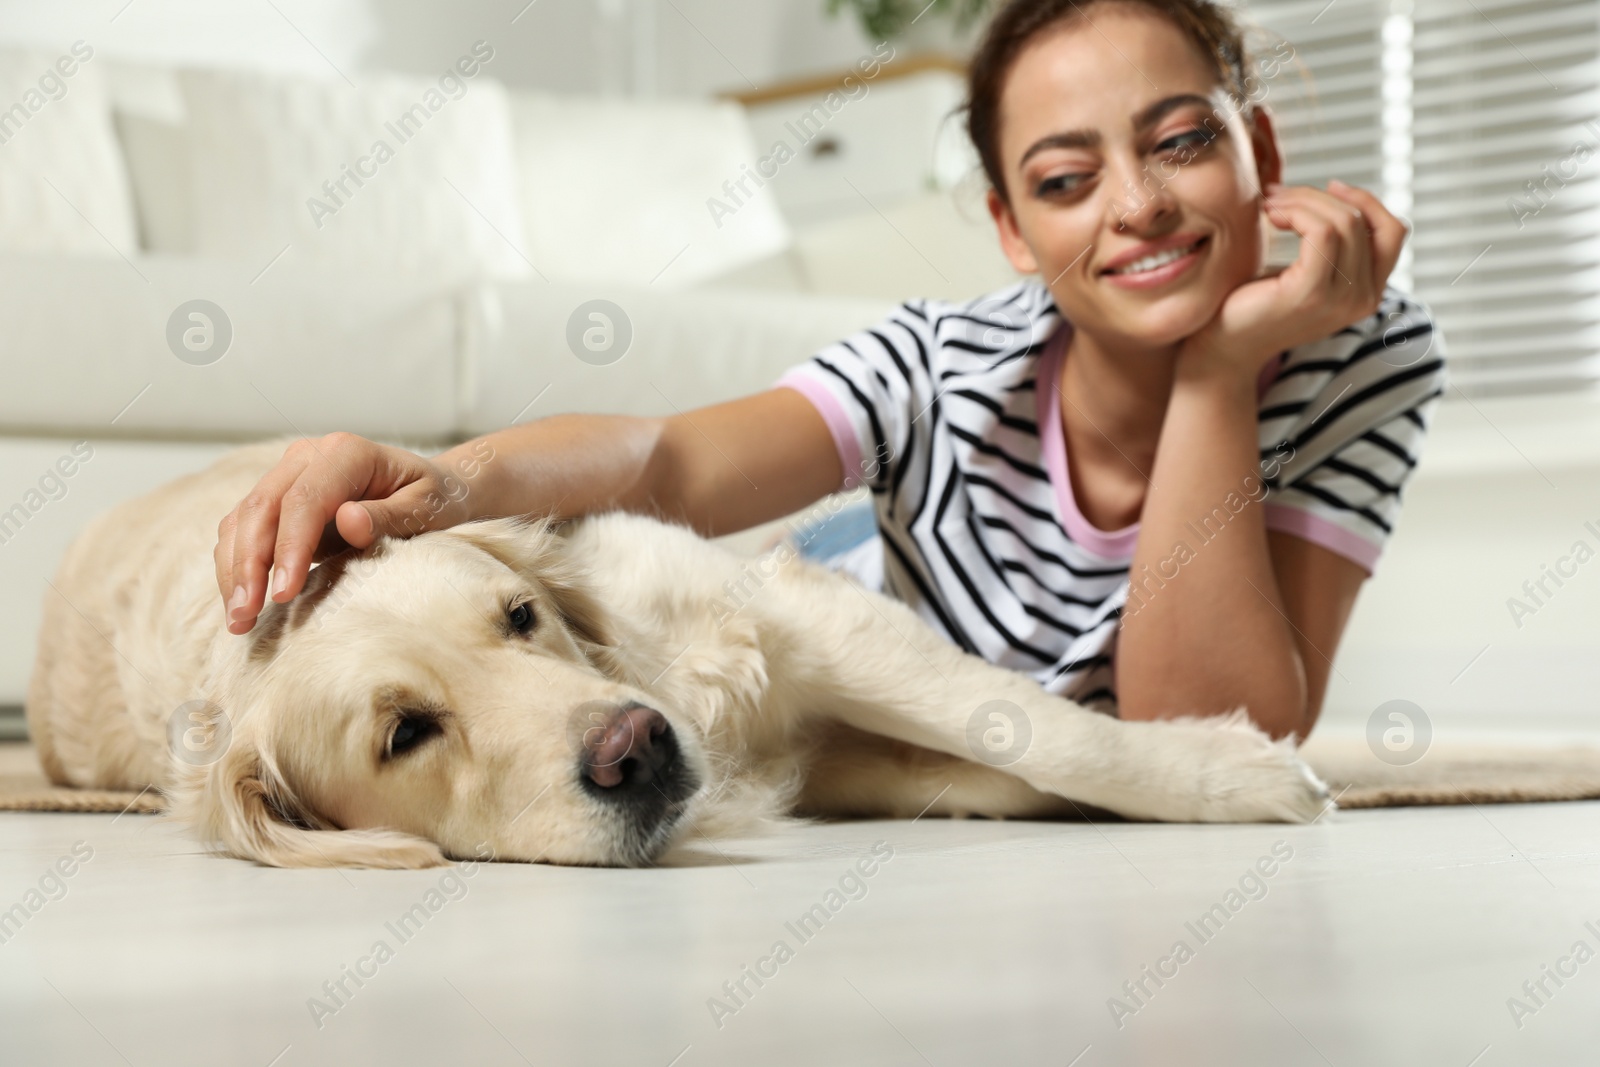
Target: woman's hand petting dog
x,y
325,495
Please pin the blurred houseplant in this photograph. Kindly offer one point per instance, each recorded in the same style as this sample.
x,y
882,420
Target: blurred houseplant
x,y
887,20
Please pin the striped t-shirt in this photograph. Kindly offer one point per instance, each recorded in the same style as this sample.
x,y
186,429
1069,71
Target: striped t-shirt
x,y
938,411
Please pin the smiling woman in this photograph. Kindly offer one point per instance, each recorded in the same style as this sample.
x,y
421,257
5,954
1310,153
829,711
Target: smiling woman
x,y
1036,454
1055,439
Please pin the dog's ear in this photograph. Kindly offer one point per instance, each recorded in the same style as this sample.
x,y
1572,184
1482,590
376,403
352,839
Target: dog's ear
x,y
568,586
241,804
536,549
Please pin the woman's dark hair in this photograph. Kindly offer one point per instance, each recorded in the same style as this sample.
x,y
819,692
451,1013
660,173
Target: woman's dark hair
x,y
1212,28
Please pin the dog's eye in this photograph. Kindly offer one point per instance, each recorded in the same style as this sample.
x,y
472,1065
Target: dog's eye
x,y
411,731
521,618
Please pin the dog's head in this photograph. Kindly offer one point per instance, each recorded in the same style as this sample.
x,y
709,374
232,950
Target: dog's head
x,y
460,694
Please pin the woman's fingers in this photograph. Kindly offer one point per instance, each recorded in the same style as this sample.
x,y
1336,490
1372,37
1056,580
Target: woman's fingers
x,y
309,505
1358,232
354,524
1337,231
1388,231
1353,255
245,540
1313,269
1358,266
222,557
338,469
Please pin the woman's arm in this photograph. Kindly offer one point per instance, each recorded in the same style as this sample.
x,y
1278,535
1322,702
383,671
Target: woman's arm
x,y
1250,616
1208,632
719,469
1319,590
1244,618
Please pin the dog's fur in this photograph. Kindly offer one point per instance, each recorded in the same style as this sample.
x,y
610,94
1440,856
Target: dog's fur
x,y
813,697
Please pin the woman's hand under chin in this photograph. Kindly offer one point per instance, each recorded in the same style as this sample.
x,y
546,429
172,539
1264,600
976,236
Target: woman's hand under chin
x,y
1349,243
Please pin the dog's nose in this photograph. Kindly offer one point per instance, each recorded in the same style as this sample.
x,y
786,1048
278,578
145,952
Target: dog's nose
x,y
628,749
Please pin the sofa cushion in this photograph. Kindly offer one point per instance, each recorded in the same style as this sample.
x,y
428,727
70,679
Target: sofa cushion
x,y
92,346
622,191
398,173
62,185
157,155
670,351
152,130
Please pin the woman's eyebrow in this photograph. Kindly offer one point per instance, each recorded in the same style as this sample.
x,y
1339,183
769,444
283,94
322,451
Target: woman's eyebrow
x,y
1146,118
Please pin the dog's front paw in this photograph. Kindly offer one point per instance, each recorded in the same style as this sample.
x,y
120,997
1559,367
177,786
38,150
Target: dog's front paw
x,y
1242,775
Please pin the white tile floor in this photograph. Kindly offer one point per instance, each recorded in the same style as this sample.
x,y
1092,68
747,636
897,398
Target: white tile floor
x,y
1388,937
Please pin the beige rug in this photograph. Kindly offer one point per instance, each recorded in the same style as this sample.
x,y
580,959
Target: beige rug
x,y
1455,774
1448,774
23,787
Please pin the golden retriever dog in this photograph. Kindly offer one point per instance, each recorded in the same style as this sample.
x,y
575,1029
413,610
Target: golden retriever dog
x,y
577,693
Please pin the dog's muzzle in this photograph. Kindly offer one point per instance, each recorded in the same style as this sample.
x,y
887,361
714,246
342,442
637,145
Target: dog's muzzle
x,y
630,760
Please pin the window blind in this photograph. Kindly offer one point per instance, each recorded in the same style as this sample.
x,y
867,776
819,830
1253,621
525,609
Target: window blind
x,y
1479,120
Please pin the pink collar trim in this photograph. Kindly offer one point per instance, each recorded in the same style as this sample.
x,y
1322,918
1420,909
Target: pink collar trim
x,y
1116,545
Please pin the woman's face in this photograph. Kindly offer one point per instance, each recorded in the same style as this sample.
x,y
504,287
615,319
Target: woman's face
x,y
1120,153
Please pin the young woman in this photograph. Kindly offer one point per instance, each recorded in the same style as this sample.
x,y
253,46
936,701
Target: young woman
x,y
1154,480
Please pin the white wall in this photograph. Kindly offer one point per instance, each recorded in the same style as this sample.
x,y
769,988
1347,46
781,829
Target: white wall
x,y
699,46
1504,490
308,36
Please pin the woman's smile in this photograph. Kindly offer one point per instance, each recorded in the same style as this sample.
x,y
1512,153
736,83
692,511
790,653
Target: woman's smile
x,y
1156,263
